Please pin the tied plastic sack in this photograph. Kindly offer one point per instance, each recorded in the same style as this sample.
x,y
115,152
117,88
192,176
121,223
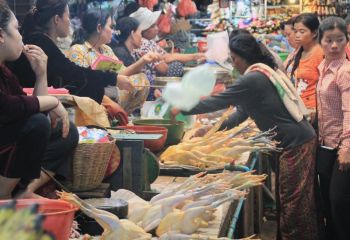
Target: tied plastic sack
x,y
197,83
218,54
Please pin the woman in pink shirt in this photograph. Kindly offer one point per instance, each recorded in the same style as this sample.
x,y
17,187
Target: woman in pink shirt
x,y
333,107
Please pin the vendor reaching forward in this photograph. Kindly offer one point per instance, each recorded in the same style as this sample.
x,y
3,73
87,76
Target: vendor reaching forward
x,y
267,96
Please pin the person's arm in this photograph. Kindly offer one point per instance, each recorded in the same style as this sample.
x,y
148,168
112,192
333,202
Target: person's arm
x,y
344,148
235,94
38,61
235,119
184,58
79,80
137,67
162,68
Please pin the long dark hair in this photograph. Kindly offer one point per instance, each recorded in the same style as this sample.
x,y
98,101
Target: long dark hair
x,y
246,46
5,15
38,18
332,23
89,25
124,27
266,52
310,21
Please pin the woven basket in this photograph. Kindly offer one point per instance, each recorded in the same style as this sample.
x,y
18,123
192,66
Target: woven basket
x,y
90,163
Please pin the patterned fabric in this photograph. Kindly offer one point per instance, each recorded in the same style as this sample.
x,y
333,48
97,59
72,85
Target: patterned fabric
x,y
296,197
85,55
306,77
150,71
146,47
333,103
175,69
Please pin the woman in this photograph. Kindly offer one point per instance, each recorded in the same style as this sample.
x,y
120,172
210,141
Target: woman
x,y
90,43
304,72
49,20
290,35
128,36
257,97
27,142
173,62
333,107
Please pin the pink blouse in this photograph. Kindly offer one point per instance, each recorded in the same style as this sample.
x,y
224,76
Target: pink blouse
x,y
333,103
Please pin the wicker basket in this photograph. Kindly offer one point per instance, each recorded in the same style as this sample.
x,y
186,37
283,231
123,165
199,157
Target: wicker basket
x,y
90,163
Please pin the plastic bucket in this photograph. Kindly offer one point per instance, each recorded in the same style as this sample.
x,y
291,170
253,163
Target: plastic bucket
x,y
153,145
58,214
175,130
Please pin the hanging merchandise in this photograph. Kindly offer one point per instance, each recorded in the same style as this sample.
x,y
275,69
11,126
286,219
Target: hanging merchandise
x,y
214,53
164,22
148,3
186,8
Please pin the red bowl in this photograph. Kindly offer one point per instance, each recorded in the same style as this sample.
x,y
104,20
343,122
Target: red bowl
x,y
58,214
153,145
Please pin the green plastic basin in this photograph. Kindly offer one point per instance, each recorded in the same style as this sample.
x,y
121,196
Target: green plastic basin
x,y
175,129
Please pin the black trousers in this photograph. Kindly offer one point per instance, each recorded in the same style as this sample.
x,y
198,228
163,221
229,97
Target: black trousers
x,y
29,144
335,192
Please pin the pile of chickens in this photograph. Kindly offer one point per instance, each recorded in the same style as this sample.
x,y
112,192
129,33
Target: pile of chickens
x,y
175,213
218,148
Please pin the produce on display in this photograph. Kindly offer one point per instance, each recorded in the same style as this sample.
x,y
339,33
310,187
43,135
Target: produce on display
x,y
114,228
190,205
180,236
218,148
23,224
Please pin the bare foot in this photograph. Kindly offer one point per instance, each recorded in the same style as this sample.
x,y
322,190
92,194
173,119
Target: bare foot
x,y
27,195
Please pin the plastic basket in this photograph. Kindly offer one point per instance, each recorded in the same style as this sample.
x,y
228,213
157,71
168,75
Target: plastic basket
x,y
90,163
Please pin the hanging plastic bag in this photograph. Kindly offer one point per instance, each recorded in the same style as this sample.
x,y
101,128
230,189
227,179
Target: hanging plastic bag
x,y
186,8
164,22
148,3
222,53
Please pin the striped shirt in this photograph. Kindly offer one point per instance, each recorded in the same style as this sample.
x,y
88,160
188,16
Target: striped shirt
x,y
333,103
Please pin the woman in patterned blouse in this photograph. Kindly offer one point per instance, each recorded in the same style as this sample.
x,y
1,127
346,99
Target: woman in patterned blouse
x,y
333,107
90,43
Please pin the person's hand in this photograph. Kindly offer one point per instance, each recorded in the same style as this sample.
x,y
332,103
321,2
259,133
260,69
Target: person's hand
x,y
173,113
344,160
151,57
199,57
123,83
60,113
115,111
157,93
37,59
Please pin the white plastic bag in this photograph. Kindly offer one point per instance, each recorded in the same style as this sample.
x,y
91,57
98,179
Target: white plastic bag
x,y
197,83
218,49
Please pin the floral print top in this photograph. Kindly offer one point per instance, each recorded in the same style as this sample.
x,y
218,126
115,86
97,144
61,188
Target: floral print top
x,y
85,55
